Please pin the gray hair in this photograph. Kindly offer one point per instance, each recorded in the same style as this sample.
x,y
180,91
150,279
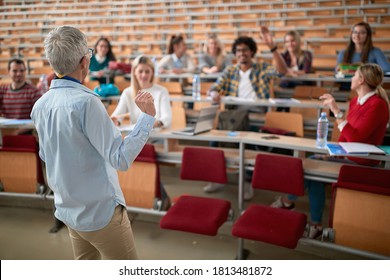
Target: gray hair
x,y
65,46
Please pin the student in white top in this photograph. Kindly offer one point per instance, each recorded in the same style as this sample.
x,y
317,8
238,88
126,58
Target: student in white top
x,y
177,61
142,76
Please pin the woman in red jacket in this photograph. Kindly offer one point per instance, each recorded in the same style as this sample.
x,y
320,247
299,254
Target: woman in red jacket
x,y
368,115
366,122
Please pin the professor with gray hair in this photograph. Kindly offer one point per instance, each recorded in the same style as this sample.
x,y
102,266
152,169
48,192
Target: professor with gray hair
x,y
83,150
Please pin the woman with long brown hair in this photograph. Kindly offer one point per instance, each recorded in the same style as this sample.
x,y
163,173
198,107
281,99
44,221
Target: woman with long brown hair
x,y
360,48
100,60
177,60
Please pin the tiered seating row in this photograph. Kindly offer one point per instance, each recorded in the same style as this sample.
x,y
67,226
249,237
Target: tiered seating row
x,y
145,26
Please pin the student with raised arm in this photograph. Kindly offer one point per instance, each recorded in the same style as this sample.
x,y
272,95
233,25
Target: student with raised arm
x,y
366,122
142,78
83,150
247,79
298,61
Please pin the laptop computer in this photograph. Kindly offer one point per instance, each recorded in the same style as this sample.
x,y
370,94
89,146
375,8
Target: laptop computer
x,y
204,122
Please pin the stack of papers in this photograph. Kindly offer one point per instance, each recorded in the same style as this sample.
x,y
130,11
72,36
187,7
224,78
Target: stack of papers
x,y
386,149
283,100
5,121
237,99
353,148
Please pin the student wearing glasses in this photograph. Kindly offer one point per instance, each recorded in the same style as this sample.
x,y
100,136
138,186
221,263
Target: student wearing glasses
x,y
360,48
247,78
83,150
98,67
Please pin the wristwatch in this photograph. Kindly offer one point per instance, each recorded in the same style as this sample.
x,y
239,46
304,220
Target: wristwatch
x,y
339,115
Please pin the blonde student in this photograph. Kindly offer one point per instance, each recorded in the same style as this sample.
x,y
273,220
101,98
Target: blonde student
x,y
142,78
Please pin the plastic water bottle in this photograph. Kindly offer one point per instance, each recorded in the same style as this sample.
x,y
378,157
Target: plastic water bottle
x,y
196,87
44,84
155,64
322,131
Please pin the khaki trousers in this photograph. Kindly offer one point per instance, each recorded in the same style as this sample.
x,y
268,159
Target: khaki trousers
x,y
113,242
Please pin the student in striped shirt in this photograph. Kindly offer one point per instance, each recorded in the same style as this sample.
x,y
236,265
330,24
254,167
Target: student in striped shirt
x,y
18,97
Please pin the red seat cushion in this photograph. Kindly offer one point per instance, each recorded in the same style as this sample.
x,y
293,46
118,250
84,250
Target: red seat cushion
x,y
203,164
271,225
194,214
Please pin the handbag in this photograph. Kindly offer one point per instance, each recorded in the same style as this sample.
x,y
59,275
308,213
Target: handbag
x,y
233,120
276,131
105,90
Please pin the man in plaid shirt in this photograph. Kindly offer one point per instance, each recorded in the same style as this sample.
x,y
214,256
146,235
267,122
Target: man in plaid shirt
x,y
249,79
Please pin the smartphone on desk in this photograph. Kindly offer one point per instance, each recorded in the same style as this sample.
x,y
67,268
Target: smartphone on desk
x,y
270,137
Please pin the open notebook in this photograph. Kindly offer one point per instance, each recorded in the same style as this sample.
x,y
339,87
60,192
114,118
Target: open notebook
x,y
204,122
353,148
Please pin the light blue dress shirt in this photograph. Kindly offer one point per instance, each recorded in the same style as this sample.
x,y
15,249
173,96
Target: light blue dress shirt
x,y
83,149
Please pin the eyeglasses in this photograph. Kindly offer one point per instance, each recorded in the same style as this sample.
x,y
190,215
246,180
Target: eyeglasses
x,y
359,32
242,50
90,54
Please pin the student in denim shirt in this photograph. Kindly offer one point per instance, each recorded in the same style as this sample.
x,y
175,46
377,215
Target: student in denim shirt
x,y
360,49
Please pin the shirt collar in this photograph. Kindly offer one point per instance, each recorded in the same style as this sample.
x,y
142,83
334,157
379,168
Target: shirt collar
x,y
68,78
246,73
175,58
362,100
65,83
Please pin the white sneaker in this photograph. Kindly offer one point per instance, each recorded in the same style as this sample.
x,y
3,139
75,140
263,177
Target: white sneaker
x,y
314,232
213,187
248,193
278,203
